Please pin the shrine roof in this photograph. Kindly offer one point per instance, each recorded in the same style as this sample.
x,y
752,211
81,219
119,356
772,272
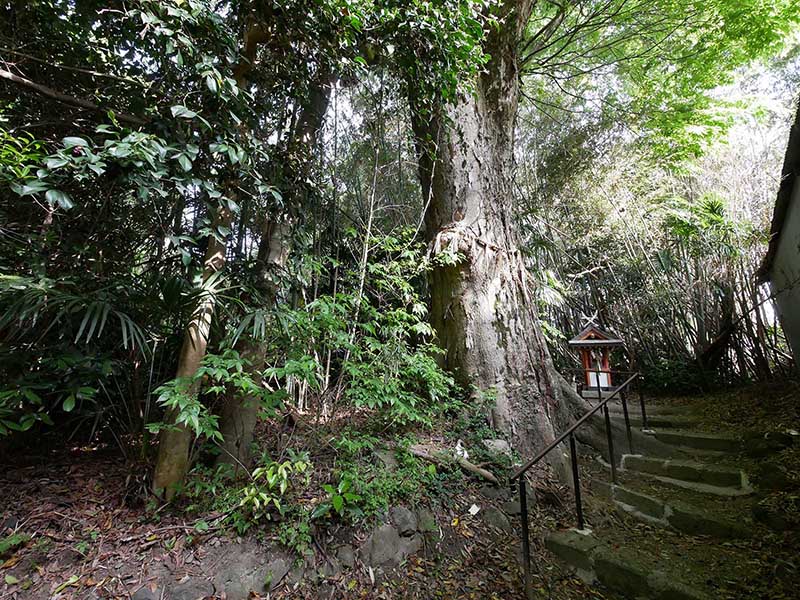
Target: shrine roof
x,y
593,336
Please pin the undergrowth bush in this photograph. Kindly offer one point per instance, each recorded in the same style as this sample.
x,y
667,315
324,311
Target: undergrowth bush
x,y
369,345
679,377
270,491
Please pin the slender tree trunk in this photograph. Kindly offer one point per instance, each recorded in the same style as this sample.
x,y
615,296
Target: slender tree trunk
x,y
240,413
174,443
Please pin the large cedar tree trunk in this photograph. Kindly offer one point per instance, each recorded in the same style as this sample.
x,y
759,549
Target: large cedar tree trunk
x,y
484,307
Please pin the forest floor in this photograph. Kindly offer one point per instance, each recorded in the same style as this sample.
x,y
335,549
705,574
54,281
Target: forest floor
x,y
71,531
72,525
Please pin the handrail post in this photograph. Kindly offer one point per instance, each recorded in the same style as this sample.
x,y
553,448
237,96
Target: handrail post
x,y
526,543
610,437
623,396
555,443
576,480
519,474
641,402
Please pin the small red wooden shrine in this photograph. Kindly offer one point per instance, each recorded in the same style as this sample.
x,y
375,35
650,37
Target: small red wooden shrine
x,y
595,347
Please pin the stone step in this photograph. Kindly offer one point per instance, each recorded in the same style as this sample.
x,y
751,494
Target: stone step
x,y
712,442
701,477
619,569
678,515
661,410
666,422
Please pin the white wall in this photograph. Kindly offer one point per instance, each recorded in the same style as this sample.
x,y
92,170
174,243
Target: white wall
x,y
785,273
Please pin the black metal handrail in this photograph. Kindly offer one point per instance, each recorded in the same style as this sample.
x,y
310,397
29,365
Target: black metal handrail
x,y
570,433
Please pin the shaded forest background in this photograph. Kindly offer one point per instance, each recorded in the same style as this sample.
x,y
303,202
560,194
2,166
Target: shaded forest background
x,y
213,213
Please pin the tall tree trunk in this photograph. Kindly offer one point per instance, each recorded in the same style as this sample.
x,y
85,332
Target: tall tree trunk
x,y
483,308
240,413
174,443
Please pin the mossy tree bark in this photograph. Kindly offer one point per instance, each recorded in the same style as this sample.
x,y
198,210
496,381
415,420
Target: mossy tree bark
x,y
484,307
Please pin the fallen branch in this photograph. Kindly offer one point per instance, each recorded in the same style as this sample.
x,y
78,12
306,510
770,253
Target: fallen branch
x,y
440,457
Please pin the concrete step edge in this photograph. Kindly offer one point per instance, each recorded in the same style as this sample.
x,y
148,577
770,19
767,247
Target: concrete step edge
x,y
681,516
710,479
656,421
712,442
616,569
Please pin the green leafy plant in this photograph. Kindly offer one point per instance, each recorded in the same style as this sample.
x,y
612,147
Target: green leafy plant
x,y
12,542
269,483
218,373
295,533
379,342
341,500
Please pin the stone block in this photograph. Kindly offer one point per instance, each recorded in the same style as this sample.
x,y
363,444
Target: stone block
x,y
664,587
684,470
621,571
193,588
573,547
496,518
331,568
694,521
408,546
600,487
700,441
498,448
512,508
404,520
382,547
492,492
426,521
346,556
652,507
145,593
276,570
388,459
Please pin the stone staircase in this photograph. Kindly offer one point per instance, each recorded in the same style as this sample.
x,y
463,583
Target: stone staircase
x,y
677,528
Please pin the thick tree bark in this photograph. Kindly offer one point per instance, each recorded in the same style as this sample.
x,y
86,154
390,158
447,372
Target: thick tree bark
x,y
484,308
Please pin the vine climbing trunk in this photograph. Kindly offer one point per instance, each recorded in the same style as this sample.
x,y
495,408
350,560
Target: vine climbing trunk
x,y
483,307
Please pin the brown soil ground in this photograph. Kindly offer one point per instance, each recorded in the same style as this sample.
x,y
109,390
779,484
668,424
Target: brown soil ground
x,y
86,540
